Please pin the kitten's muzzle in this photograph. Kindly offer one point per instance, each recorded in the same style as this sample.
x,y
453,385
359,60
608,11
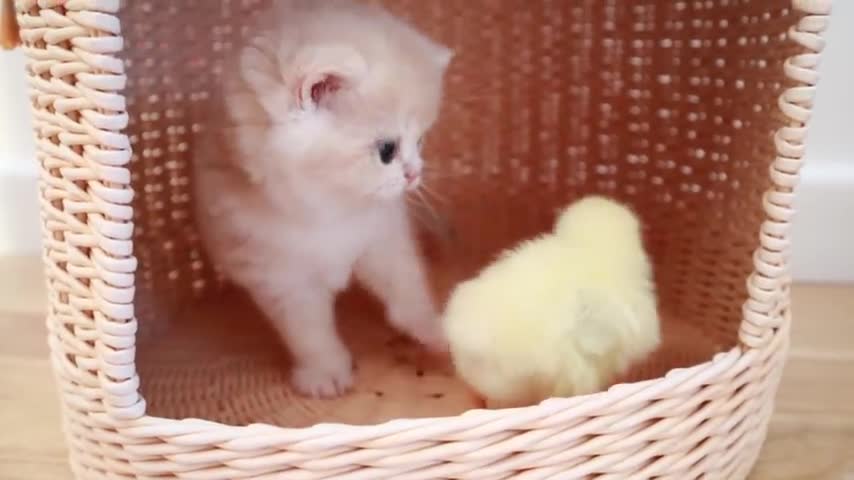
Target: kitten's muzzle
x,y
412,176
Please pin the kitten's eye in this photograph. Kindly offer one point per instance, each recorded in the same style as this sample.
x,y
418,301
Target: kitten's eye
x,y
420,142
387,150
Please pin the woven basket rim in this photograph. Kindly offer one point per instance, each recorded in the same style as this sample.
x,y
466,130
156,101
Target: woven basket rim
x,y
722,362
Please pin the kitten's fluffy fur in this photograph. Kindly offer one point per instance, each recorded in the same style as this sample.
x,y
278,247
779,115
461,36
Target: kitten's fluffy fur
x,y
292,195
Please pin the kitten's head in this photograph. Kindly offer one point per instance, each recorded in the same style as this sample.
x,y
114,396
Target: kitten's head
x,y
350,94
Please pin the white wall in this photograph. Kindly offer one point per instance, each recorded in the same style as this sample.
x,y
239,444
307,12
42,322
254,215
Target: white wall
x,y
823,236
19,216
16,145
825,224
831,139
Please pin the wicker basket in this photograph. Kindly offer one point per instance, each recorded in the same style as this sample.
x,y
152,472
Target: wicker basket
x,y
692,111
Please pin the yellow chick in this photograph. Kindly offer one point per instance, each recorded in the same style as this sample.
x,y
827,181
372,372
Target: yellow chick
x,y
559,315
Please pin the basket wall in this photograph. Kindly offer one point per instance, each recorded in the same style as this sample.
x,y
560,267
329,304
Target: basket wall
x,y
680,108
669,106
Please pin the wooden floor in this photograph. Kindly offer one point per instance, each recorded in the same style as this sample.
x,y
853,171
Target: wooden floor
x,y
811,437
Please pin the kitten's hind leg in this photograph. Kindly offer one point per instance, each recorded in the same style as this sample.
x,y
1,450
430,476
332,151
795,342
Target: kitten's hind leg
x,y
305,319
392,270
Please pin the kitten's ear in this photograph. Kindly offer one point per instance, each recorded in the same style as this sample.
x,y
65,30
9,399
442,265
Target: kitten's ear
x,y
259,65
260,70
323,71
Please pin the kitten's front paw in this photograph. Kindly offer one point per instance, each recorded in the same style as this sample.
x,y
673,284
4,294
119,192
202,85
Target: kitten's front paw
x,y
435,342
428,333
329,378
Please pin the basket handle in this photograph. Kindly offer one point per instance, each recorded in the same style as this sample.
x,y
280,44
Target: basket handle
x,y
9,33
768,307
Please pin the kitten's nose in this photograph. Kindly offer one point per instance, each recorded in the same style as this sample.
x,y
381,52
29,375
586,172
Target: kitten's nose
x,y
411,174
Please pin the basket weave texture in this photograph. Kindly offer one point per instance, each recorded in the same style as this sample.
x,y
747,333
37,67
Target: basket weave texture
x,y
694,112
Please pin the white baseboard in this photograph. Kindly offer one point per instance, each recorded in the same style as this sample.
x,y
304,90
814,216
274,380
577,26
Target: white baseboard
x,y
823,233
20,232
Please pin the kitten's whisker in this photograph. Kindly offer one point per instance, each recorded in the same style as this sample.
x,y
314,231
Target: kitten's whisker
x,y
429,206
412,200
440,174
421,213
433,194
418,201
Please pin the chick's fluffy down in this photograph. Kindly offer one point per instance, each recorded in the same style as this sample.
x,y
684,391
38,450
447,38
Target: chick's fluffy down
x,y
559,315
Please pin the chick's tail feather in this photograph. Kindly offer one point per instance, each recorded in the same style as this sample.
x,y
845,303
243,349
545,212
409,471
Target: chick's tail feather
x,y
597,344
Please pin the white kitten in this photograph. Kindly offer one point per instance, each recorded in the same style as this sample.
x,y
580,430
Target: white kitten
x,y
304,185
